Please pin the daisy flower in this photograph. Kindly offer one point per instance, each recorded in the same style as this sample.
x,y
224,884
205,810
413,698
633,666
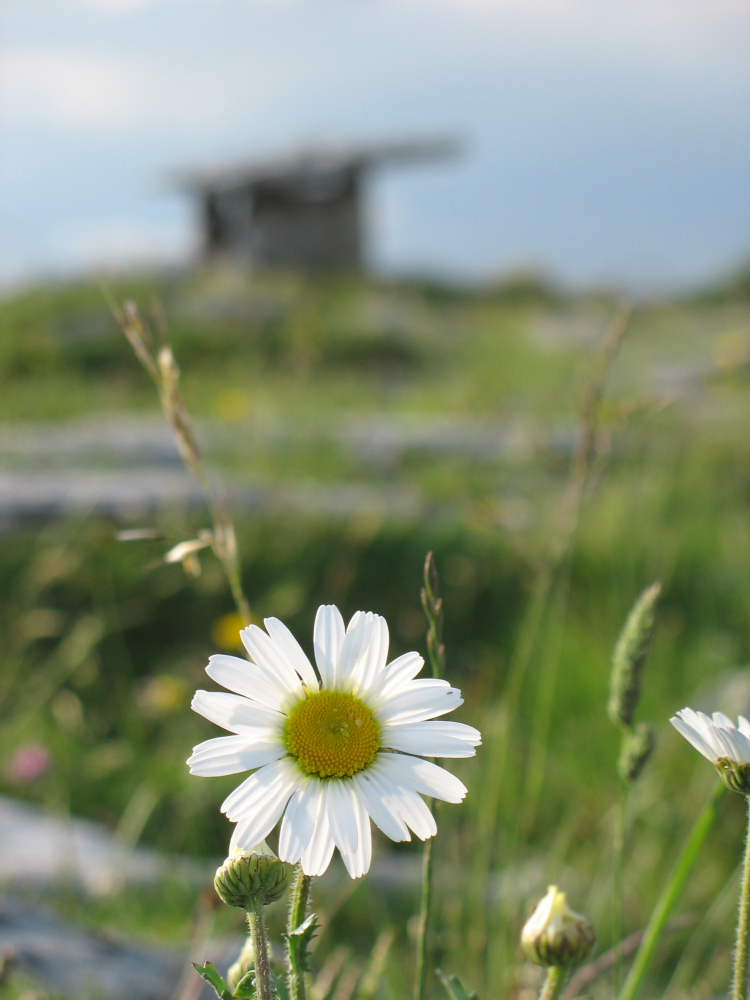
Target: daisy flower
x,y
329,750
727,746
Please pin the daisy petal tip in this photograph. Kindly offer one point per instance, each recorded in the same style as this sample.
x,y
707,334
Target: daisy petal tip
x,y
196,702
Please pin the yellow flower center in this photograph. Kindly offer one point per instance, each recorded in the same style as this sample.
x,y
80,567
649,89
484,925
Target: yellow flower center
x,y
332,734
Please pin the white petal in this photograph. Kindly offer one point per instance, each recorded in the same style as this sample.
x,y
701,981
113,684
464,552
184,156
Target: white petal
x,y
433,739
253,794
342,823
705,728
317,857
414,812
693,737
260,848
231,754
719,719
299,822
419,700
742,743
328,635
235,713
376,798
255,826
234,842
400,671
364,834
354,649
350,827
247,679
367,674
737,742
744,726
723,739
292,651
269,657
421,776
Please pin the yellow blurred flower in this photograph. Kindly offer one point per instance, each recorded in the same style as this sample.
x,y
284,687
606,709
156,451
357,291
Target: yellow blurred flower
x,y
233,405
226,631
163,694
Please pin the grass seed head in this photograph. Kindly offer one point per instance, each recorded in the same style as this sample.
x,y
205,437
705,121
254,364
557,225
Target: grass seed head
x,y
629,657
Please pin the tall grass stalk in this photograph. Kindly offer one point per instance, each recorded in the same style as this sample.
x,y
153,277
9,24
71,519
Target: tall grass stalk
x,y
155,353
669,896
618,880
432,605
636,740
571,511
548,593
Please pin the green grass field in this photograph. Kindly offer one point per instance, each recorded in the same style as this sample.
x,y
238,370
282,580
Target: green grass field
x,y
290,382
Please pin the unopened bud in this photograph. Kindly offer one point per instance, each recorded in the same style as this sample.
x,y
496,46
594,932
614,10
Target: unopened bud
x,y
556,936
249,878
637,747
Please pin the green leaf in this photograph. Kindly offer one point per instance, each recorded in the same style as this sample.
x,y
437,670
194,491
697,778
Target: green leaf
x,y
208,972
245,988
301,937
280,986
306,930
454,987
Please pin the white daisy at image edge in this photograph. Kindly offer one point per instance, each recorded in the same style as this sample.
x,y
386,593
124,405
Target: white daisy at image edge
x,y
715,736
332,751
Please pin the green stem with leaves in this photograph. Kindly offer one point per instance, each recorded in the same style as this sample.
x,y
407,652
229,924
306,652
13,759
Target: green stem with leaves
x,y
296,943
739,980
263,985
553,984
670,894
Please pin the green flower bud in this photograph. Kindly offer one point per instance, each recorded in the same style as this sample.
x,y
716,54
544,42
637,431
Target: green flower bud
x,y
249,878
556,936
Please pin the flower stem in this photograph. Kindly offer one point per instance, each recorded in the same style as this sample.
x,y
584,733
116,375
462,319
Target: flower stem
x,y
670,895
425,913
739,981
296,946
256,923
553,984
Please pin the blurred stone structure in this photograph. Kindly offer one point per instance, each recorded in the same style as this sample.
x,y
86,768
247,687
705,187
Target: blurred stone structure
x,y
303,210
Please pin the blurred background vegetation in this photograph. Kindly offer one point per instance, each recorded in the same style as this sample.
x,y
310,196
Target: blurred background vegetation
x,y
355,425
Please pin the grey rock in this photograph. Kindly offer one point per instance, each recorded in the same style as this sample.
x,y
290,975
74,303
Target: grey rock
x,y
77,963
42,850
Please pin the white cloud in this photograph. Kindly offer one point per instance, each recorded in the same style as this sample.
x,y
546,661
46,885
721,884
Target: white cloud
x,y
78,89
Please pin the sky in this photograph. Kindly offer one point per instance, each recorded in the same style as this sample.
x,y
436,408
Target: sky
x,y
603,141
